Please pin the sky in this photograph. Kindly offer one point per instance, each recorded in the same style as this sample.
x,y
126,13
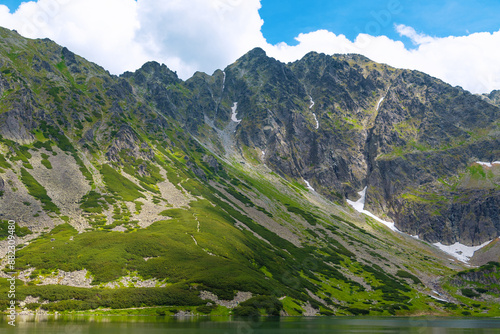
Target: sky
x,y
456,41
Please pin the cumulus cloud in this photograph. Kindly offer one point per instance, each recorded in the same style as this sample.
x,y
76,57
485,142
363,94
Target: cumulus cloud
x,y
415,37
99,30
199,34
123,34
205,35
468,61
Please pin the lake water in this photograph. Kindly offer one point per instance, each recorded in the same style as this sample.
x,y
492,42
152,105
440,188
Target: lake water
x,y
224,325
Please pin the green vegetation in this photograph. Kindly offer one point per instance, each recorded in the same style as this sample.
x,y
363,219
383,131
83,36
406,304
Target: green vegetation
x,y
45,161
477,172
64,298
132,166
93,202
469,293
19,231
405,274
260,305
4,163
309,217
217,241
46,145
36,190
120,185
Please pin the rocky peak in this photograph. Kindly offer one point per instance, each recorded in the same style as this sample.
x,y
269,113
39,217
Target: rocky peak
x,y
153,71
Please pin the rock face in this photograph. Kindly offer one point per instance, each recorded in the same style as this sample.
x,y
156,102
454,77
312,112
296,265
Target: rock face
x,y
493,97
344,122
17,123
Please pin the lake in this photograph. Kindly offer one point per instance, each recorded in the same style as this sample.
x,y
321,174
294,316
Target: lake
x,y
225,325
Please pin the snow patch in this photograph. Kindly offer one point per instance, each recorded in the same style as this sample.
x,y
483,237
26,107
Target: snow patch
x,y
359,206
309,186
263,153
459,251
488,164
234,113
439,299
223,81
380,102
312,103
316,119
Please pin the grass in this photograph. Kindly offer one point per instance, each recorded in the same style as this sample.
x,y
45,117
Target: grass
x,y
19,231
36,190
46,163
175,256
120,185
93,202
4,163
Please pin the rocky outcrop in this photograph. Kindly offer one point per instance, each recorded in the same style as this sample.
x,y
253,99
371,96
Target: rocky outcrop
x,y
486,275
17,123
468,217
493,97
126,140
239,298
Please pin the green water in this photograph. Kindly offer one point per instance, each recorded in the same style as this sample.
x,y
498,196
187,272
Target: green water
x,y
224,325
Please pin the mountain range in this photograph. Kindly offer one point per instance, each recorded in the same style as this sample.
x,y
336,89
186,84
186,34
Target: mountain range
x,y
329,185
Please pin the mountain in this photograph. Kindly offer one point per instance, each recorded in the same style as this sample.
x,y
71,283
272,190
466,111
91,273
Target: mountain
x,y
230,192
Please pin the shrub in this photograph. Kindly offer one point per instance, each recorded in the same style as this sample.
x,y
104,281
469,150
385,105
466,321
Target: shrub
x,y
405,274
36,190
358,311
469,293
120,185
309,217
20,231
93,202
4,163
206,309
270,305
33,306
46,163
246,311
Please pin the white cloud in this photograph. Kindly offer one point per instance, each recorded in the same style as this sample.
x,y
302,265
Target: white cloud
x,y
209,34
468,61
415,37
101,31
200,34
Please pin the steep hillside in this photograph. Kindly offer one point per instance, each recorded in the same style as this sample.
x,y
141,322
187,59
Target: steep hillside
x,y
144,190
344,123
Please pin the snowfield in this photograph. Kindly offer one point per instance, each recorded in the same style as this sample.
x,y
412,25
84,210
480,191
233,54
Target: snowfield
x,y
459,251
488,164
309,186
234,113
359,206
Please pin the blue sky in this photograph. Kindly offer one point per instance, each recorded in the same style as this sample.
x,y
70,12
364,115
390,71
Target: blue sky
x,y
283,21
456,41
